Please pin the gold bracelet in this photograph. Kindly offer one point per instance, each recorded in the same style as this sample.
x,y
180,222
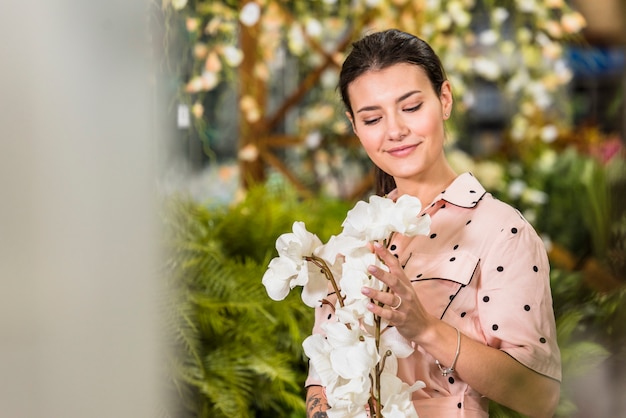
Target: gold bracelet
x,y
449,370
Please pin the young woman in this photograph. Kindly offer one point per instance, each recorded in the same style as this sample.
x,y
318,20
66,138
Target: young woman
x,y
473,297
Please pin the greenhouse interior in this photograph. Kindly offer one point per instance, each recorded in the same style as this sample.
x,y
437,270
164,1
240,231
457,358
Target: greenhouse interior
x,y
156,155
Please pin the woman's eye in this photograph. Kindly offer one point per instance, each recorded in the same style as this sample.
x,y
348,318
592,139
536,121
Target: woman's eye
x,y
413,108
370,121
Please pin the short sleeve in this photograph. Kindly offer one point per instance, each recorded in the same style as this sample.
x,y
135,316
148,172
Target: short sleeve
x,y
515,300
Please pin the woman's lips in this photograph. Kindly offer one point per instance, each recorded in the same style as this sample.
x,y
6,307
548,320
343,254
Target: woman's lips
x,y
402,151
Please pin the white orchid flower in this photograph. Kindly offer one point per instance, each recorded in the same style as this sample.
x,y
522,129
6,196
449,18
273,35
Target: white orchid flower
x,y
369,221
348,398
339,245
399,406
345,358
280,277
316,286
317,349
355,311
391,340
283,274
354,353
298,244
396,396
406,219
376,220
355,275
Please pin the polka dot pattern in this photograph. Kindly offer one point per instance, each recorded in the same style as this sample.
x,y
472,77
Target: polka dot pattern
x,y
483,269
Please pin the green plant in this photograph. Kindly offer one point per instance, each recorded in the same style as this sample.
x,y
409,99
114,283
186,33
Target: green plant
x,y
234,351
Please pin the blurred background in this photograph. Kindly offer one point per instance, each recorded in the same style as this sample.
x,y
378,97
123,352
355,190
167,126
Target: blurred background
x,y
152,152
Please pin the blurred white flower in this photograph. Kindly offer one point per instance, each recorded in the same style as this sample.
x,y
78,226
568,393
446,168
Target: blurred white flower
x,y
552,50
545,162
499,15
516,188
313,139
528,6
458,13
250,14
549,134
197,110
519,79
233,55
487,68
179,4
329,78
573,22
534,196
443,22
488,37
542,98
519,127
490,174
296,40
314,28
562,71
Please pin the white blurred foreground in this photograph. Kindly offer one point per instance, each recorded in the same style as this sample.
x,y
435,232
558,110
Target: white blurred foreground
x,y
78,243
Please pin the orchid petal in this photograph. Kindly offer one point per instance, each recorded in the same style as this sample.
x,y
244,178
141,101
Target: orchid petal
x,y
318,351
316,287
279,277
392,340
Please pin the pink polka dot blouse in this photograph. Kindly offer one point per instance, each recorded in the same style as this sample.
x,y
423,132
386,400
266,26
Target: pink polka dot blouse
x,y
484,270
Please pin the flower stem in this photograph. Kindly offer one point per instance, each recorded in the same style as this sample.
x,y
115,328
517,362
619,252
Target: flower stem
x,y
379,368
321,263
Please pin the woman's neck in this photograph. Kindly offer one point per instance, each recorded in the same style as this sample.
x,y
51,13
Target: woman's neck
x,y
426,187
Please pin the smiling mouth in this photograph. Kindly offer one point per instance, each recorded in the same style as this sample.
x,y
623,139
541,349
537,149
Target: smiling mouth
x,y
403,150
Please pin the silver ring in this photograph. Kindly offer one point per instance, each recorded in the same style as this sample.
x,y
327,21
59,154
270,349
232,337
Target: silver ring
x,y
398,305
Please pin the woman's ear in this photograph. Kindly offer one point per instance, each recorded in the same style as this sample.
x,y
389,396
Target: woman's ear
x,y
446,99
351,119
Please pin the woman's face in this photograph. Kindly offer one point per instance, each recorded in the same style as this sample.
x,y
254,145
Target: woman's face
x,y
398,118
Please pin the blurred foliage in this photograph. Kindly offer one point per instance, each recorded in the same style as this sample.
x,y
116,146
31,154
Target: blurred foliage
x,y
234,352
270,68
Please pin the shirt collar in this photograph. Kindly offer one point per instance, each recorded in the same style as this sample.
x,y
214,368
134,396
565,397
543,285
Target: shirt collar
x,y
465,191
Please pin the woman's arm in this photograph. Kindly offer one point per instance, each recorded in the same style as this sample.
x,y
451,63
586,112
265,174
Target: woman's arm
x,y
316,404
493,372
488,370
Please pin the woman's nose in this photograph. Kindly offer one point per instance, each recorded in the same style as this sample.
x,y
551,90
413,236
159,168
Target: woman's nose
x,y
396,128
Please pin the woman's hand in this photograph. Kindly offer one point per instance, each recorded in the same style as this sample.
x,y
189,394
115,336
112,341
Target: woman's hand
x,y
488,370
402,306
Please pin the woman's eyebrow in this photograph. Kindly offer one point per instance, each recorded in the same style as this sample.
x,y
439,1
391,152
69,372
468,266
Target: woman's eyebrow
x,y
398,100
